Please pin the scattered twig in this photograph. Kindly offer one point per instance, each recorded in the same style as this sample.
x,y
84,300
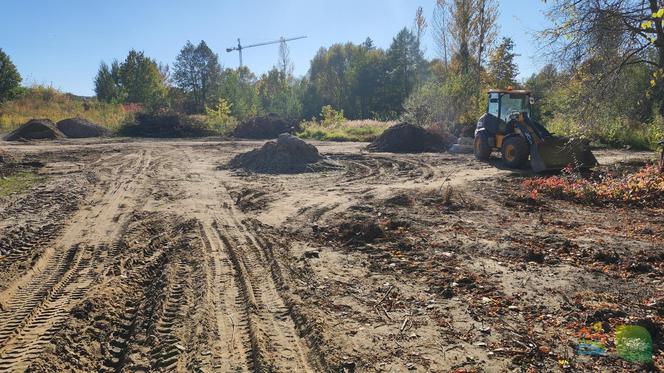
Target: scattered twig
x,y
403,324
387,293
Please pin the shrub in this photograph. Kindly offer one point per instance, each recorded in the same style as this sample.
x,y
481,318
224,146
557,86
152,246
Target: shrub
x,y
618,132
331,117
219,118
166,124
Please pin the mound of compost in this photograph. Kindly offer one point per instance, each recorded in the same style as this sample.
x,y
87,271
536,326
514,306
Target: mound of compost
x,y
78,128
165,124
288,154
407,138
264,127
36,129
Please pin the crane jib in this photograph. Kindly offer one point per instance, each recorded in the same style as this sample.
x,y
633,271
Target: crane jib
x,y
240,47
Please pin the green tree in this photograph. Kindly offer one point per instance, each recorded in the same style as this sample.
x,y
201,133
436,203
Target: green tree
x,y
404,66
502,68
238,88
10,79
107,83
198,73
604,38
351,78
278,94
142,80
543,85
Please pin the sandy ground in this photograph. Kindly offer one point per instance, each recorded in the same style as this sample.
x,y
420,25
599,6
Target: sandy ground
x,y
148,256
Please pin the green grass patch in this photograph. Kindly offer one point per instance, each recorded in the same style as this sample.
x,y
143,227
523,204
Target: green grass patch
x,y
18,182
357,130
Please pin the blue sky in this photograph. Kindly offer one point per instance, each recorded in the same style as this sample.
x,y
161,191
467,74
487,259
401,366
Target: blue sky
x,y
61,43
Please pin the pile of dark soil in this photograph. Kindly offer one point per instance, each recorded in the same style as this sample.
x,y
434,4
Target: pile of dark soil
x,y
264,127
36,129
361,232
288,154
407,138
78,128
165,125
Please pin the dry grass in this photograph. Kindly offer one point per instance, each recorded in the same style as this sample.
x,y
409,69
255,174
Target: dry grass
x,y
351,130
47,102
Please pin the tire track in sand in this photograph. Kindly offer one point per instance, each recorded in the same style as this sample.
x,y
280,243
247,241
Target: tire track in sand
x,y
37,305
275,343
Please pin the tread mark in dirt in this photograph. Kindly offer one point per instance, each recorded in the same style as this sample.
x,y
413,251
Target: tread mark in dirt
x,y
167,354
119,343
230,314
268,314
35,315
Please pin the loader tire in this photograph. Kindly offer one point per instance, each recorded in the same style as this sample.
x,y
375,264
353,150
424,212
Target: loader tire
x,y
481,147
515,151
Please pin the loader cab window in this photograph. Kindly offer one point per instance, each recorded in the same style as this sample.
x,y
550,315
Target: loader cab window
x,y
494,104
510,103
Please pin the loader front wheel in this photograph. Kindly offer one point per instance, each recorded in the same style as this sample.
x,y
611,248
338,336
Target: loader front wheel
x,y
481,147
515,151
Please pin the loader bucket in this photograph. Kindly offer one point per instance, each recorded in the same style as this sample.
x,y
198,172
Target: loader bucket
x,y
555,153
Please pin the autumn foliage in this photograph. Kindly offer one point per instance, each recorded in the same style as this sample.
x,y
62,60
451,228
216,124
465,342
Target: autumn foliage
x,y
643,187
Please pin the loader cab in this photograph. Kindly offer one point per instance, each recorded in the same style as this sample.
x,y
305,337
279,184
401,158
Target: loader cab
x,y
502,103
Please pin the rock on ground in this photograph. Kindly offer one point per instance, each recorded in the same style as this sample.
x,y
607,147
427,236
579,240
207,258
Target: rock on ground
x,y
288,154
464,145
407,138
36,129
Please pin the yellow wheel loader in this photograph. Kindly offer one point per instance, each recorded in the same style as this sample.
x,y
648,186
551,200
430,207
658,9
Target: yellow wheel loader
x,y
507,127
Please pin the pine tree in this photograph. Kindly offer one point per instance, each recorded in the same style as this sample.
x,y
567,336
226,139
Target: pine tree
x,y
502,68
107,83
404,65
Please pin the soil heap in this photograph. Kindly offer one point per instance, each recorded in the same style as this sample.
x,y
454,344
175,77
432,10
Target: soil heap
x,y
288,154
166,124
78,128
264,127
36,129
407,138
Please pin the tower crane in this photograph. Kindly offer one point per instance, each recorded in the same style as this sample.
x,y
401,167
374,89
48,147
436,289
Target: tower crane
x,y
240,47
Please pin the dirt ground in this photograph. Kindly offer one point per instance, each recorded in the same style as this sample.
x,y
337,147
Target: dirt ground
x,y
151,256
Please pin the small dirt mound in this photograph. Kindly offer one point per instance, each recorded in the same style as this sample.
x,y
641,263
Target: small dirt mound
x,y
288,154
361,232
36,129
264,127
78,128
166,124
407,138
